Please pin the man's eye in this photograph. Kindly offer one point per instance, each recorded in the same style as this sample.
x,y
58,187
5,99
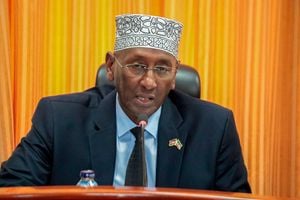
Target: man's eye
x,y
162,69
138,66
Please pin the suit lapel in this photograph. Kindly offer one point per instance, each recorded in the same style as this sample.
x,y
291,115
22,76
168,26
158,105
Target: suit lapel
x,y
103,140
169,157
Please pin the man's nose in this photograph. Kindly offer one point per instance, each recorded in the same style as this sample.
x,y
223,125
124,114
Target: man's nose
x,y
149,80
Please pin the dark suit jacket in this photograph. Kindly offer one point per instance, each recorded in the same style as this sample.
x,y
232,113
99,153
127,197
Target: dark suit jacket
x,y
78,131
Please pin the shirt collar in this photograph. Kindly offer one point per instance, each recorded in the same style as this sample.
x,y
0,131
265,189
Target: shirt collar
x,y
124,123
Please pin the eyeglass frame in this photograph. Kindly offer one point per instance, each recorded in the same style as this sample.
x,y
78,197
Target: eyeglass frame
x,y
146,69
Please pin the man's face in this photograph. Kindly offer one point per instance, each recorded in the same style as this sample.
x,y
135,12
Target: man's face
x,y
141,94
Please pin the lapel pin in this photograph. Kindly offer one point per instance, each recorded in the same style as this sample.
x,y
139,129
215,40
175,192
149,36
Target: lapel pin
x,y
175,142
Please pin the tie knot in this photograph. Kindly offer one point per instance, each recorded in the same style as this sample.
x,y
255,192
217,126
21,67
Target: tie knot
x,y
137,132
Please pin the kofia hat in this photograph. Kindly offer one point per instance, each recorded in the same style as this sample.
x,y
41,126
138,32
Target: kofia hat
x,y
137,30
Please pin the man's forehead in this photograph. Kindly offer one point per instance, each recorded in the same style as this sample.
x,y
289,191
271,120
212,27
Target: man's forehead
x,y
146,53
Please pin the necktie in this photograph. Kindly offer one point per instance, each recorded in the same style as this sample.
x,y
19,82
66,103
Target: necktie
x,y
136,172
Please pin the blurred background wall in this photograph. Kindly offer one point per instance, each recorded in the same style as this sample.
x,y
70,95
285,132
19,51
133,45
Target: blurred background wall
x,y
246,51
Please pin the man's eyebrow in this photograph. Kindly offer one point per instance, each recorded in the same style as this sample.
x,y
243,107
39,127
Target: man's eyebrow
x,y
143,59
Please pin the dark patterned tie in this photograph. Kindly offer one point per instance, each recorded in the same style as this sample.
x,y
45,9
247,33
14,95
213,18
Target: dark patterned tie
x,y
136,173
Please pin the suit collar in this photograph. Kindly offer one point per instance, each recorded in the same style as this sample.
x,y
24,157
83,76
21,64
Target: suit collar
x,y
169,158
102,139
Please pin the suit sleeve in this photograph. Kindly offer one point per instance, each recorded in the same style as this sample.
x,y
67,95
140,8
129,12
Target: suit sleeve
x,y
30,163
231,172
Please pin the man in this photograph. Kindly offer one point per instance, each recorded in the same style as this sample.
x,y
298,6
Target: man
x,y
189,143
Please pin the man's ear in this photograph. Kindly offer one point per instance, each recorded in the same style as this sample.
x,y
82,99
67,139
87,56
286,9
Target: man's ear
x,y
109,61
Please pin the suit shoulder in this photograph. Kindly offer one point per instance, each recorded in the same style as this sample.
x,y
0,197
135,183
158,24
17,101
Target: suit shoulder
x,y
200,114
187,104
89,98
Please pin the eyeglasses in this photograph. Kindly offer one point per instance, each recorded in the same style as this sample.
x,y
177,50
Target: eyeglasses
x,y
137,69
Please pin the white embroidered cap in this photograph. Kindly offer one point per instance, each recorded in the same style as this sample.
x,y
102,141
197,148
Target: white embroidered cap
x,y
138,30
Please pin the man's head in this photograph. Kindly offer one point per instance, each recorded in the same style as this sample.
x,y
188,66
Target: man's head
x,y
144,64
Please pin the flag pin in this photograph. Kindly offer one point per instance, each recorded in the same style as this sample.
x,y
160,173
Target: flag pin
x,y
175,142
